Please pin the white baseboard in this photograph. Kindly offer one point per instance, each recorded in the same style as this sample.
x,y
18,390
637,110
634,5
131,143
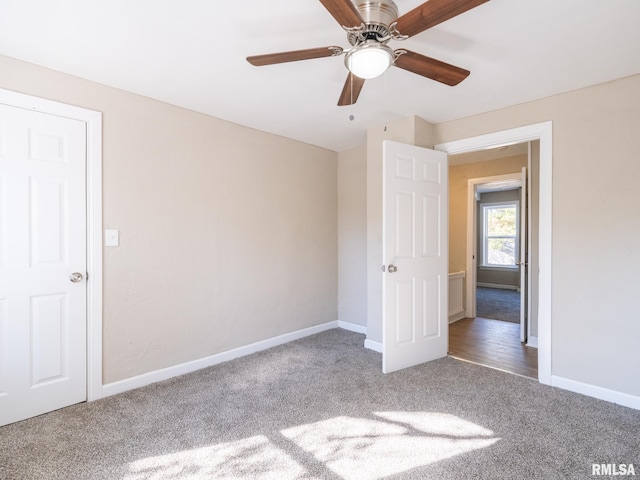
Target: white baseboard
x,y
456,317
352,327
371,345
601,393
532,342
170,372
497,285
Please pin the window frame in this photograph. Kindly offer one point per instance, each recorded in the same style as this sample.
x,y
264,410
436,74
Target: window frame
x,y
485,207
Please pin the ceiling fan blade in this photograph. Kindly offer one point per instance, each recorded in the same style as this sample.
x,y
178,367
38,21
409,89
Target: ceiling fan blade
x,y
351,90
344,12
294,56
431,68
431,13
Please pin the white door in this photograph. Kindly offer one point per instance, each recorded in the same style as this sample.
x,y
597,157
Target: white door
x,y
42,244
415,251
524,255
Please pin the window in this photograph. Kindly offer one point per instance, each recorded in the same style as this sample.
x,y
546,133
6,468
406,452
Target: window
x,y
500,234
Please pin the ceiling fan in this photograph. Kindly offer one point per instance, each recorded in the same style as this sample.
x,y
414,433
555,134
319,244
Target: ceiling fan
x,y
370,25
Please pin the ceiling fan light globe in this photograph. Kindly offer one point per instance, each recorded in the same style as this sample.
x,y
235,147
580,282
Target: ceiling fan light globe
x,y
370,61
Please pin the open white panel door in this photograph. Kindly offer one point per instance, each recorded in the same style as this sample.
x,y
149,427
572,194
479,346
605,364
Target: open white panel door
x,y
415,256
524,258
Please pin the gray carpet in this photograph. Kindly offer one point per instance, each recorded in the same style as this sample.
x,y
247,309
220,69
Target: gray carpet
x,y
320,408
498,304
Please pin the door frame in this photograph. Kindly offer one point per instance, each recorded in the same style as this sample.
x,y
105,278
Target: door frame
x,y
93,122
544,133
472,236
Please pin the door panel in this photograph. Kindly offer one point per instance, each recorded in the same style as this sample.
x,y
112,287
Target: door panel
x,y
405,225
431,294
48,320
431,233
404,312
48,217
415,193
43,240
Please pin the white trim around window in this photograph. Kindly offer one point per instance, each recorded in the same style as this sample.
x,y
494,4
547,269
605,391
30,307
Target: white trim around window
x,y
484,208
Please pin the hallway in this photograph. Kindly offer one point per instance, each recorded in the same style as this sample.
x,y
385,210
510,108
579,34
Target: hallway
x,y
493,343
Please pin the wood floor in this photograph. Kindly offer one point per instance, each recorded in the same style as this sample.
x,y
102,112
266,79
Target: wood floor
x,y
493,343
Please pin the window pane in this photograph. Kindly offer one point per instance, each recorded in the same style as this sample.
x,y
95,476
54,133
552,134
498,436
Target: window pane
x,y
501,251
501,221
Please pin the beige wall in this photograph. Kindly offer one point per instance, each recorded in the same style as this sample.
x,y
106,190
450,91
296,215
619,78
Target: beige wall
x,y
458,184
352,236
228,235
534,233
596,226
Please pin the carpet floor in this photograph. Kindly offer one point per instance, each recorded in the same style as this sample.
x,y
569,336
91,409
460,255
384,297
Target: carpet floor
x,y
498,304
320,408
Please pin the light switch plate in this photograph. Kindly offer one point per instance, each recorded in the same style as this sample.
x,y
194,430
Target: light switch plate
x,y
111,238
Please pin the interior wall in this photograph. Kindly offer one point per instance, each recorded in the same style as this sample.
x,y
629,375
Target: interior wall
x,y
228,235
534,232
352,236
596,229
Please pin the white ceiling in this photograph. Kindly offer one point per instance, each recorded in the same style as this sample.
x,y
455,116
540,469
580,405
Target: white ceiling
x,y
192,53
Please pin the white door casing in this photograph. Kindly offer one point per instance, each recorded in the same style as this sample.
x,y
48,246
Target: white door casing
x,y
544,133
50,172
415,242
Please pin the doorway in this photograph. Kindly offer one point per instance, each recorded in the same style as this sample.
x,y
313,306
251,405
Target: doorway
x,y
496,324
51,315
541,132
499,242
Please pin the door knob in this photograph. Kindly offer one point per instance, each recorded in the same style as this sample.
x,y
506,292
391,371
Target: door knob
x,y
392,268
76,277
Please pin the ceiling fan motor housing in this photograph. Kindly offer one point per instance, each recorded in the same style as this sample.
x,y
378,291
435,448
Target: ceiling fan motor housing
x,y
377,16
380,12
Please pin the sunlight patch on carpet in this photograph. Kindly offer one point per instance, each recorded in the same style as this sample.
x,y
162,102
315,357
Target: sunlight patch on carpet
x,y
253,457
353,448
396,442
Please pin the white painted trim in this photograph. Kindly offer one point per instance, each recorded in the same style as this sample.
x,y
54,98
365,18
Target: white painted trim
x,y
94,257
495,268
517,236
372,345
188,367
352,327
456,317
543,132
532,341
93,122
498,285
620,398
